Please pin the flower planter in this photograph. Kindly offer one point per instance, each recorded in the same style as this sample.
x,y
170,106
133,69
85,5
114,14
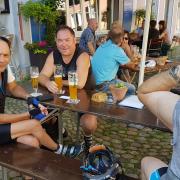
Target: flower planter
x,y
37,59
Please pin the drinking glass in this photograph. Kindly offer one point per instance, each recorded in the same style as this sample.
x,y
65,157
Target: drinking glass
x,y
58,72
73,82
34,72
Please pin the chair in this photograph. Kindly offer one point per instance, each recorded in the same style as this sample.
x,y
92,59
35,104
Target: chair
x,y
154,47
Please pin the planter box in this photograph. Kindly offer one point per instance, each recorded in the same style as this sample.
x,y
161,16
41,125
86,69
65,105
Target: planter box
x,y
38,60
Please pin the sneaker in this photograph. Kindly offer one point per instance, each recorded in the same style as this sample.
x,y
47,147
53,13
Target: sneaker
x,y
71,151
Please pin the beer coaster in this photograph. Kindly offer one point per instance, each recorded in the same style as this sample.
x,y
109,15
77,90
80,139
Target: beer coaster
x,y
70,101
64,97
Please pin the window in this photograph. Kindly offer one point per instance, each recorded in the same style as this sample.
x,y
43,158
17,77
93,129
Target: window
x,y
4,6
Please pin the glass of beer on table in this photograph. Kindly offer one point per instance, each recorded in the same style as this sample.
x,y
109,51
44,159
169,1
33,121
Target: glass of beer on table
x,y
34,72
58,73
73,82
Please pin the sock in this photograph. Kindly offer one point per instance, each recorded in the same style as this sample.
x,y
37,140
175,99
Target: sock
x,y
59,149
88,141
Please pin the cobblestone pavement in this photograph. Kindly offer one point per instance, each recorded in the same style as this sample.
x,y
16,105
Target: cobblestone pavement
x,y
129,142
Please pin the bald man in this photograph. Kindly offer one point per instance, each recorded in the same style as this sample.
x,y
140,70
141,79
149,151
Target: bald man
x,y
87,40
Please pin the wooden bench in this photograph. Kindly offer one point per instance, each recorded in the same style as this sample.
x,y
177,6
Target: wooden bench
x,y
39,163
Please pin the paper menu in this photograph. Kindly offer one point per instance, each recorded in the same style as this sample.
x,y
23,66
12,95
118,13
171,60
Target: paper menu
x,y
131,101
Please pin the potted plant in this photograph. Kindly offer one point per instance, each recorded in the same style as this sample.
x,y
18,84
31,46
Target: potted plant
x,y
118,91
42,14
38,53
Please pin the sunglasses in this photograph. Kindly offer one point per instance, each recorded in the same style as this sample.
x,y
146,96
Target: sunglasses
x,y
125,38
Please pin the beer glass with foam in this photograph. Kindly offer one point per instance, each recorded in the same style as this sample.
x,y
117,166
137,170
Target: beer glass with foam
x,y
58,72
34,72
73,82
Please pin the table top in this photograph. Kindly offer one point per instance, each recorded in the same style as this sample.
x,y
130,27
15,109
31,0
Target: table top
x,y
86,105
157,68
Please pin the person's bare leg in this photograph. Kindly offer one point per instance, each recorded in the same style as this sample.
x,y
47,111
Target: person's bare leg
x,y
34,128
89,125
29,140
150,164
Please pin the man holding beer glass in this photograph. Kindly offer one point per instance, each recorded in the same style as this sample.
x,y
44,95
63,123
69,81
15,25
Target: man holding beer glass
x,y
25,127
72,58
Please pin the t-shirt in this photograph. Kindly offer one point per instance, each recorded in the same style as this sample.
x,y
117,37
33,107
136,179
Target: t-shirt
x,y
87,36
11,77
106,60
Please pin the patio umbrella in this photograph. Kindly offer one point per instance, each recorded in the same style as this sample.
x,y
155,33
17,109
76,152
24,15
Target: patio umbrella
x,y
145,40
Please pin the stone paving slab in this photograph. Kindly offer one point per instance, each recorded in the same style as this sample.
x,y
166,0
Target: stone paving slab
x,y
129,142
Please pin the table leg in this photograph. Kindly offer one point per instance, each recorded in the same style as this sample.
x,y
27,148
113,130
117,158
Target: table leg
x,y
4,173
60,128
77,118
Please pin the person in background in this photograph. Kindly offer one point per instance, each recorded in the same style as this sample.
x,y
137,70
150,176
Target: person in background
x,y
164,35
107,59
155,94
71,57
128,49
140,30
153,32
24,127
88,39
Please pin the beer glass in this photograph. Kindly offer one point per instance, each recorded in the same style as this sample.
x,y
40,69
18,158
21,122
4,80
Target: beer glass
x,y
34,72
58,72
73,82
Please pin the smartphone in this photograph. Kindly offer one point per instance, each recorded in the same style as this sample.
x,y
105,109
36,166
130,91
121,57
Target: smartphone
x,y
46,97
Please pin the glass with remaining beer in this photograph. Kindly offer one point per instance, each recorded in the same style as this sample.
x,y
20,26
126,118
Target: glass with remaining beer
x,y
34,72
73,82
58,72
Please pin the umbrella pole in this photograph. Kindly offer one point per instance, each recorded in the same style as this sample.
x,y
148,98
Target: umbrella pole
x,y
145,40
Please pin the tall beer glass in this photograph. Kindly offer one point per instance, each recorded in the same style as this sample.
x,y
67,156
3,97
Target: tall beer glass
x,y
58,72
34,72
73,82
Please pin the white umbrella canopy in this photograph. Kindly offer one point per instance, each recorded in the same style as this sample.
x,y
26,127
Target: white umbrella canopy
x,y
145,41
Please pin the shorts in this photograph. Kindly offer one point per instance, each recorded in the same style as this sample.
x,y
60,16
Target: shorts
x,y
157,174
5,134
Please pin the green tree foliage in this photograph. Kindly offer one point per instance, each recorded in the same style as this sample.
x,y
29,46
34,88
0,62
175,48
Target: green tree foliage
x,y
42,14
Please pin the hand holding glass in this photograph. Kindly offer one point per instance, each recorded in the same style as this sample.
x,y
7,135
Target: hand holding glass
x,y
73,82
34,71
58,72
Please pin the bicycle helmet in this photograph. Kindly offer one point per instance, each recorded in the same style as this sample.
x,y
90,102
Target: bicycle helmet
x,y
100,164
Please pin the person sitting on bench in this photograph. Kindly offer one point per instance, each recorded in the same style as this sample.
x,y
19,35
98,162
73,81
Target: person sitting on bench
x,y
154,93
19,127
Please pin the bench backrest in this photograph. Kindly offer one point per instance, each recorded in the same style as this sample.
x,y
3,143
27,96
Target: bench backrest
x,y
39,163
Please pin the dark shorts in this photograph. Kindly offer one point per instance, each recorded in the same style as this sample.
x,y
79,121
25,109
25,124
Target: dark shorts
x,y
5,134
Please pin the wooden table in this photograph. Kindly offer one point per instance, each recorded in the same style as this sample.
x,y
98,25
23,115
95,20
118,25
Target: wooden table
x,y
156,69
124,114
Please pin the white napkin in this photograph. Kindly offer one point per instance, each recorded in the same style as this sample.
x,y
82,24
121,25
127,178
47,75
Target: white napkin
x,y
131,101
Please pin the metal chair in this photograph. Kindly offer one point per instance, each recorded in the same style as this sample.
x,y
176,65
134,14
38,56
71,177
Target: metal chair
x,y
154,48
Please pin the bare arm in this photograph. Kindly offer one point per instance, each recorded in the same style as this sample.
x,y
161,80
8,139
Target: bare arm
x,y
46,73
83,64
91,47
17,90
154,93
127,49
12,118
